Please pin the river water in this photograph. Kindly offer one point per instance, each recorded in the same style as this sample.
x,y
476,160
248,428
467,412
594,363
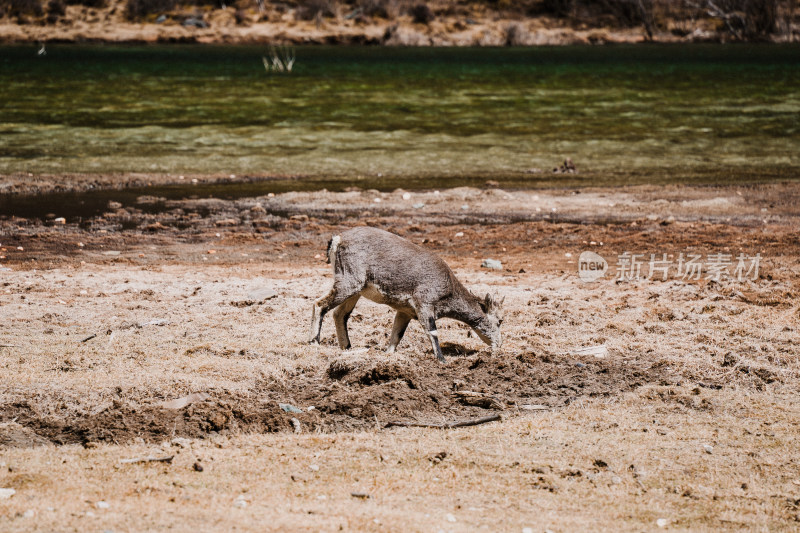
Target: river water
x,y
395,116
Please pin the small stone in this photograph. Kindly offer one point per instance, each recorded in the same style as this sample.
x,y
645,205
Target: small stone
x,y
460,234
406,196
708,449
494,264
418,206
314,468
527,530
240,502
7,493
464,207
289,408
102,505
261,295
197,467
60,220
450,518
662,522
29,513
377,200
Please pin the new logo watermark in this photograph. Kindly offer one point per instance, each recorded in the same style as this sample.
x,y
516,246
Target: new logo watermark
x,y
686,266
591,266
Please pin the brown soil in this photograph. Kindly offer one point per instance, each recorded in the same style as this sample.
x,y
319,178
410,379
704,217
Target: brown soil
x,y
350,397
192,264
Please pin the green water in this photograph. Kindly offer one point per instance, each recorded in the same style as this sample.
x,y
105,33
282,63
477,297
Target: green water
x,y
624,114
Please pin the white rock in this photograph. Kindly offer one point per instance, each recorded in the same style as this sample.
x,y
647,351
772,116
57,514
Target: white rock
x,y
492,263
450,517
314,468
406,196
661,522
240,502
30,513
377,200
460,234
102,505
708,449
527,530
6,493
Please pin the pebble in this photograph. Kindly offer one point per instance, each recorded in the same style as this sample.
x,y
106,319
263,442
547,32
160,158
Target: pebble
x,y
261,295
492,263
418,206
314,468
460,234
708,449
527,530
661,522
406,196
289,408
240,502
7,493
29,513
450,517
102,505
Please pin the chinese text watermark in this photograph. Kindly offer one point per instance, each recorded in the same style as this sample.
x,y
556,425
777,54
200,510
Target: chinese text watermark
x,y
632,266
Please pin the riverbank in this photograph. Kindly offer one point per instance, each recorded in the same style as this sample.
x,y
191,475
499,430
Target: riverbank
x,y
686,418
442,25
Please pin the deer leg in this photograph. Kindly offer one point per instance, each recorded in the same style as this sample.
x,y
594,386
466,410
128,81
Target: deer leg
x,y
401,321
340,316
428,321
335,297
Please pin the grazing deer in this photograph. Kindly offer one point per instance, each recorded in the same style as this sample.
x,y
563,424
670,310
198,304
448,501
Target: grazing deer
x,y
388,269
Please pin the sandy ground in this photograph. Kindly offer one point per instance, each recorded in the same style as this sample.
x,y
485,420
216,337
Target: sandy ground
x,y
690,418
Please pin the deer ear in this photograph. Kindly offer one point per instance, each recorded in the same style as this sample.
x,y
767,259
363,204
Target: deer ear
x,y
488,301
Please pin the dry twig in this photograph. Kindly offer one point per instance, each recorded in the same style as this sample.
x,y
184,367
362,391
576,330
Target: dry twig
x,y
448,425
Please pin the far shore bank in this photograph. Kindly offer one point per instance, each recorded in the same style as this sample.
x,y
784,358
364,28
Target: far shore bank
x,y
444,25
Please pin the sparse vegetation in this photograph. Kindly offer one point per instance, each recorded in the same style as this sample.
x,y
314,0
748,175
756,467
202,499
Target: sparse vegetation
x,y
23,8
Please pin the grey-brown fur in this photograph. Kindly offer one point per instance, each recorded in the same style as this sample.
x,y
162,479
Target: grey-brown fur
x,y
391,270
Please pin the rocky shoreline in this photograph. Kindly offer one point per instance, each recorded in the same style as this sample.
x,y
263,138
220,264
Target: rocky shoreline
x,y
228,25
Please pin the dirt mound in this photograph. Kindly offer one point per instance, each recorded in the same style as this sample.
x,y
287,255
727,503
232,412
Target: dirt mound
x,y
151,423
352,392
